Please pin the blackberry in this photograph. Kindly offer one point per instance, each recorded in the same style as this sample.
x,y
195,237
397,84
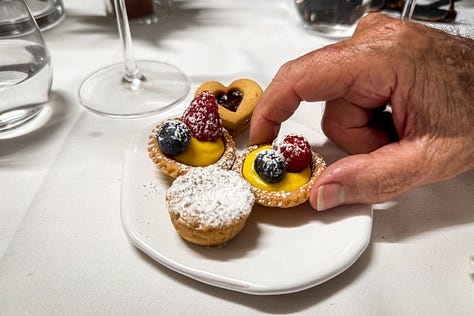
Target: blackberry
x,y
270,165
173,137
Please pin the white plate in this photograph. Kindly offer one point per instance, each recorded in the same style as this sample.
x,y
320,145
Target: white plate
x,y
278,251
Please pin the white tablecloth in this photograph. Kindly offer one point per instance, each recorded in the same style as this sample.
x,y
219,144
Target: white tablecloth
x,y
63,250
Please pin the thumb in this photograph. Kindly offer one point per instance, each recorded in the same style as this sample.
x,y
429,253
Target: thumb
x,y
369,178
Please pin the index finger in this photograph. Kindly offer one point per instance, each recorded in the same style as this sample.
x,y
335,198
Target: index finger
x,y
316,76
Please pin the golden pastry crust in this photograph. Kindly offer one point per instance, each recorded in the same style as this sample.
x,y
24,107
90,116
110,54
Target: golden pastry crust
x,y
283,199
209,236
209,206
235,122
175,168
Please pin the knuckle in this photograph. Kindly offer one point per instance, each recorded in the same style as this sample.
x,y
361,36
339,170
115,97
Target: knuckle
x,y
387,185
284,75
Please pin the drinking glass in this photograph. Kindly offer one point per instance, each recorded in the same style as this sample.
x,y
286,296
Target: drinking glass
x,y
430,11
143,11
408,8
132,88
331,18
47,13
25,69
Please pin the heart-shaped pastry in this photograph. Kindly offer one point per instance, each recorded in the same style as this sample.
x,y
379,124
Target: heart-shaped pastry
x,y
236,102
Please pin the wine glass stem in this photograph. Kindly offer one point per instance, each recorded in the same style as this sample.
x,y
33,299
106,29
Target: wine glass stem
x,y
133,77
408,8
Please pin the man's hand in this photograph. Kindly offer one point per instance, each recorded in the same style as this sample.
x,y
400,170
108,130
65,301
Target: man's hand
x,y
427,77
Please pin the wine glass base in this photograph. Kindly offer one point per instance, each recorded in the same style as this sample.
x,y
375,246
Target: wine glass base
x,y
105,92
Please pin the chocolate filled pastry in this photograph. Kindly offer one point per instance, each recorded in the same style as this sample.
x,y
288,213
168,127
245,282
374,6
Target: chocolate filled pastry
x,y
236,102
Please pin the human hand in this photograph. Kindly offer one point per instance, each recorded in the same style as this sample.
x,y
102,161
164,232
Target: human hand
x,y
426,75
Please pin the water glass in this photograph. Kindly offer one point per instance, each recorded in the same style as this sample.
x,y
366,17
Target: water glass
x,y
25,68
332,18
47,13
143,11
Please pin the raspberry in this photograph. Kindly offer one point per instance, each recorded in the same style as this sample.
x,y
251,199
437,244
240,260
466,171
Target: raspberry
x,y
173,137
202,117
270,165
296,150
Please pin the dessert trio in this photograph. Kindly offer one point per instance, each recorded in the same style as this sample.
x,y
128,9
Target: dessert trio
x,y
214,188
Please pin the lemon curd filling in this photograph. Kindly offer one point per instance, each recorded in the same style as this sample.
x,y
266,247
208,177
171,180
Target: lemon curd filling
x,y
291,181
201,153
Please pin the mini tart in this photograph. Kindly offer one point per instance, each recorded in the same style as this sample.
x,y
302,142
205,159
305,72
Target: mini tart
x,y
283,199
208,205
235,122
174,168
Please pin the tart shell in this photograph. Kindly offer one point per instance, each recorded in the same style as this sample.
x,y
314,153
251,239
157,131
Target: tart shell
x,y
282,199
174,168
208,205
209,236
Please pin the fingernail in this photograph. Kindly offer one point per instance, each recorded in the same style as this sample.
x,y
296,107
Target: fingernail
x,y
330,195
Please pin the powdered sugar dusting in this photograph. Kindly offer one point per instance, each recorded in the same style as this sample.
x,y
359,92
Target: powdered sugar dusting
x,y
282,199
203,118
179,130
210,197
270,165
152,189
295,149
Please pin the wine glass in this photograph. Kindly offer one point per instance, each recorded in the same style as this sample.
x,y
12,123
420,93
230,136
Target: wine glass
x,y
132,89
408,8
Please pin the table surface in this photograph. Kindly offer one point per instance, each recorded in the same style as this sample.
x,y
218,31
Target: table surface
x,y
63,249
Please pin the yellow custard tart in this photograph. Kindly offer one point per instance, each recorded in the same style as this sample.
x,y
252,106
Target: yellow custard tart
x,y
196,139
291,190
221,153
290,182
